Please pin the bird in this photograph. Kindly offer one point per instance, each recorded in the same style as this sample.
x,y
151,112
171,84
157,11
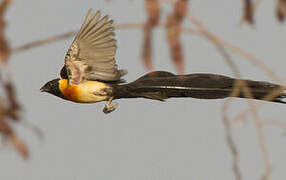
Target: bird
x,y
90,74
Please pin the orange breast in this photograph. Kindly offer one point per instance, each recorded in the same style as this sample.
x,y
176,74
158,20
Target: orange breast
x,y
84,92
71,92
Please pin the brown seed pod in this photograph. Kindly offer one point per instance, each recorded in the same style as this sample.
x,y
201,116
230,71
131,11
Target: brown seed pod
x,y
173,27
181,7
281,10
147,47
19,145
14,106
5,128
248,11
153,11
4,45
10,136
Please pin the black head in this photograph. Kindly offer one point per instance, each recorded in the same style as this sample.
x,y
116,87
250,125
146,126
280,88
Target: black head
x,y
53,87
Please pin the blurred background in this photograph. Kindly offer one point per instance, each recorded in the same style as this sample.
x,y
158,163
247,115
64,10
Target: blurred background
x,y
143,139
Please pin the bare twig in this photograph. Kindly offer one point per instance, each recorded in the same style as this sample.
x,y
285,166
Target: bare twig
x,y
42,42
64,36
252,59
242,115
229,139
226,122
278,123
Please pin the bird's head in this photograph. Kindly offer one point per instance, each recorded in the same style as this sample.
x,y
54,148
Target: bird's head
x,y
53,87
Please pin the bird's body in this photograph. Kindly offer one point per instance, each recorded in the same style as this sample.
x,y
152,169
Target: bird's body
x,y
90,74
85,92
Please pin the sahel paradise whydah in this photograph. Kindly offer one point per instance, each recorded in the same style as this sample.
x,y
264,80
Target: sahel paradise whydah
x,y
90,74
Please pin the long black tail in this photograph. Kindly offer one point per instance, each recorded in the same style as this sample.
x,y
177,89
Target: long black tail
x,y
161,85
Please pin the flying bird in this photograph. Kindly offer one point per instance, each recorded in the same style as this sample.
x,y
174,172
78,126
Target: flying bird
x,y
90,74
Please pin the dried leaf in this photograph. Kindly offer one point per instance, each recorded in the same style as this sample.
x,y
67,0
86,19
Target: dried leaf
x,y
281,10
5,128
248,11
6,114
14,107
173,27
3,6
4,45
10,135
19,145
147,47
153,12
181,7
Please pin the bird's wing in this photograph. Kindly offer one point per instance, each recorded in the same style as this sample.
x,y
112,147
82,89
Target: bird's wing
x,y
91,55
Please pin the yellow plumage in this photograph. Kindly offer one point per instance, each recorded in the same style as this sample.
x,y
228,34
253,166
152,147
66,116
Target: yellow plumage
x,y
84,92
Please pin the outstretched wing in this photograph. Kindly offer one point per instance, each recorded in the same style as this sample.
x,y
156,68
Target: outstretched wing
x,y
91,55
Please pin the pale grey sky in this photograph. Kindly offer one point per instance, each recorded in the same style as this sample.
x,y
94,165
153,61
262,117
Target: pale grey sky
x,y
181,139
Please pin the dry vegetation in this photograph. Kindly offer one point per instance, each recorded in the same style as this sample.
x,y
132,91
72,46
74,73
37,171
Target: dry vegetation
x,y
9,107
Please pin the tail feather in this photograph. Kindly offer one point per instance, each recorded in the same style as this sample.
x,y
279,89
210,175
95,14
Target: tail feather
x,y
160,85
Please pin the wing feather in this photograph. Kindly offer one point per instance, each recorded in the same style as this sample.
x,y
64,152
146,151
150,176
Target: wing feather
x,y
92,53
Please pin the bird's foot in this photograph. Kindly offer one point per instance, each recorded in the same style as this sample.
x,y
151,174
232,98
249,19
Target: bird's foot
x,y
109,106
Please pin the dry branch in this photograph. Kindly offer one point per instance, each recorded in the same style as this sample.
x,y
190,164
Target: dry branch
x,y
43,42
229,139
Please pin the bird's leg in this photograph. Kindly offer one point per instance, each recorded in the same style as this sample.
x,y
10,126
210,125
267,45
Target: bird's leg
x,y
109,106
